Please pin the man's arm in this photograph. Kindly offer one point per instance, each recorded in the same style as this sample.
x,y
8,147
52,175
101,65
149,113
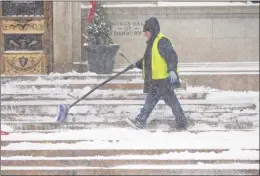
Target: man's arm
x,y
168,53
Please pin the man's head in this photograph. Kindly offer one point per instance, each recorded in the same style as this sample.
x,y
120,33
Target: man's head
x,y
147,29
151,27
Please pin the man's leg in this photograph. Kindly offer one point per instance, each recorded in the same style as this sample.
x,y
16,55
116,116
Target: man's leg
x,y
171,100
151,100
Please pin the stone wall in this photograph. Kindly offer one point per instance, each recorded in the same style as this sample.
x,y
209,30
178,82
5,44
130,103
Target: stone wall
x,y
199,34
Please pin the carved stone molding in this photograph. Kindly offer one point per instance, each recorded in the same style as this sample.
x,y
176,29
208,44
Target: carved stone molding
x,y
27,63
23,26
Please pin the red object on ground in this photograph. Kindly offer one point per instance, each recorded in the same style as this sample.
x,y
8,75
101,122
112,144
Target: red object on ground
x,y
4,133
92,11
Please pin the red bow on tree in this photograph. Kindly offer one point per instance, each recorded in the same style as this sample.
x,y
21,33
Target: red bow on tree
x,y
92,11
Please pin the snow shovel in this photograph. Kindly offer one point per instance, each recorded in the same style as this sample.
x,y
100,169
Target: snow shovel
x,y
64,109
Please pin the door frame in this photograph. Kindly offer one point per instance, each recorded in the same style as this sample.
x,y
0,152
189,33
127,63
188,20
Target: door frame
x,y
48,36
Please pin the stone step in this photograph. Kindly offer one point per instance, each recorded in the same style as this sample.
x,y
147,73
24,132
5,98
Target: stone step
x,y
30,97
209,112
111,116
153,125
117,140
111,106
96,115
132,171
126,96
105,102
212,80
184,67
59,162
19,126
10,91
207,74
238,103
125,77
132,86
104,152
6,142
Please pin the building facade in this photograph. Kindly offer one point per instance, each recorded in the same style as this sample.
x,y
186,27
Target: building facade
x,y
48,36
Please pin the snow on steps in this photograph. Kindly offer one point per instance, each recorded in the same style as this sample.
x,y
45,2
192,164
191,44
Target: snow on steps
x,y
9,92
131,102
209,74
235,111
206,67
153,125
119,103
60,96
112,111
80,80
229,120
7,141
82,85
24,118
134,139
210,153
41,148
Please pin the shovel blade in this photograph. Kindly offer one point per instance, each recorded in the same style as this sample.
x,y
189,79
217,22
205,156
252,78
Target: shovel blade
x,y
63,113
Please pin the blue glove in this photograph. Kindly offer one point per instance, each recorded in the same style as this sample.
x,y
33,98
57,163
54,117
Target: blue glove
x,y
173,79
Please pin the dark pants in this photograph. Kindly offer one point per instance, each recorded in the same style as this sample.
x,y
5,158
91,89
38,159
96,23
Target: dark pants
x,y
162,90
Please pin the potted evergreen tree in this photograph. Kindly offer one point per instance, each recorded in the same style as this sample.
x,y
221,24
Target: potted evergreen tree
x,y
99,47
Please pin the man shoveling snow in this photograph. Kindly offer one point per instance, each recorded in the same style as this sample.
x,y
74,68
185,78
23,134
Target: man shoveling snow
x,y
160,73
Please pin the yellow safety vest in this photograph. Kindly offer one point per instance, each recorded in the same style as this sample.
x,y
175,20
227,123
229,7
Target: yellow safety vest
x,y
159,66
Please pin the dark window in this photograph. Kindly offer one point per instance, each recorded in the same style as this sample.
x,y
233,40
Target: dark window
x,y
23,8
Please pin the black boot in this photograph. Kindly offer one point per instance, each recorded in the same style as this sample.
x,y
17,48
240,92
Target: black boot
x,y
181,123
137,122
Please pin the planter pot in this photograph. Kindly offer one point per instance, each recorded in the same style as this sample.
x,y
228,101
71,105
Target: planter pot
x,y
101,58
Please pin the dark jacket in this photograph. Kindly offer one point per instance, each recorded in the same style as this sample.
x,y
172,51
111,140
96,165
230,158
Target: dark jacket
x,y
166,51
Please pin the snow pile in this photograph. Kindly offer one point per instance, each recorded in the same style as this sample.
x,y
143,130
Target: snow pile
x,y
6,128
233,95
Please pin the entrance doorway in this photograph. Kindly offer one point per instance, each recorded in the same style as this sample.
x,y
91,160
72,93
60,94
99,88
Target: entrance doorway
x,y
26,37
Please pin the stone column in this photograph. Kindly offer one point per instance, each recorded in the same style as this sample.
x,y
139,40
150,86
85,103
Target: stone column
x,y
76,31
66,35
